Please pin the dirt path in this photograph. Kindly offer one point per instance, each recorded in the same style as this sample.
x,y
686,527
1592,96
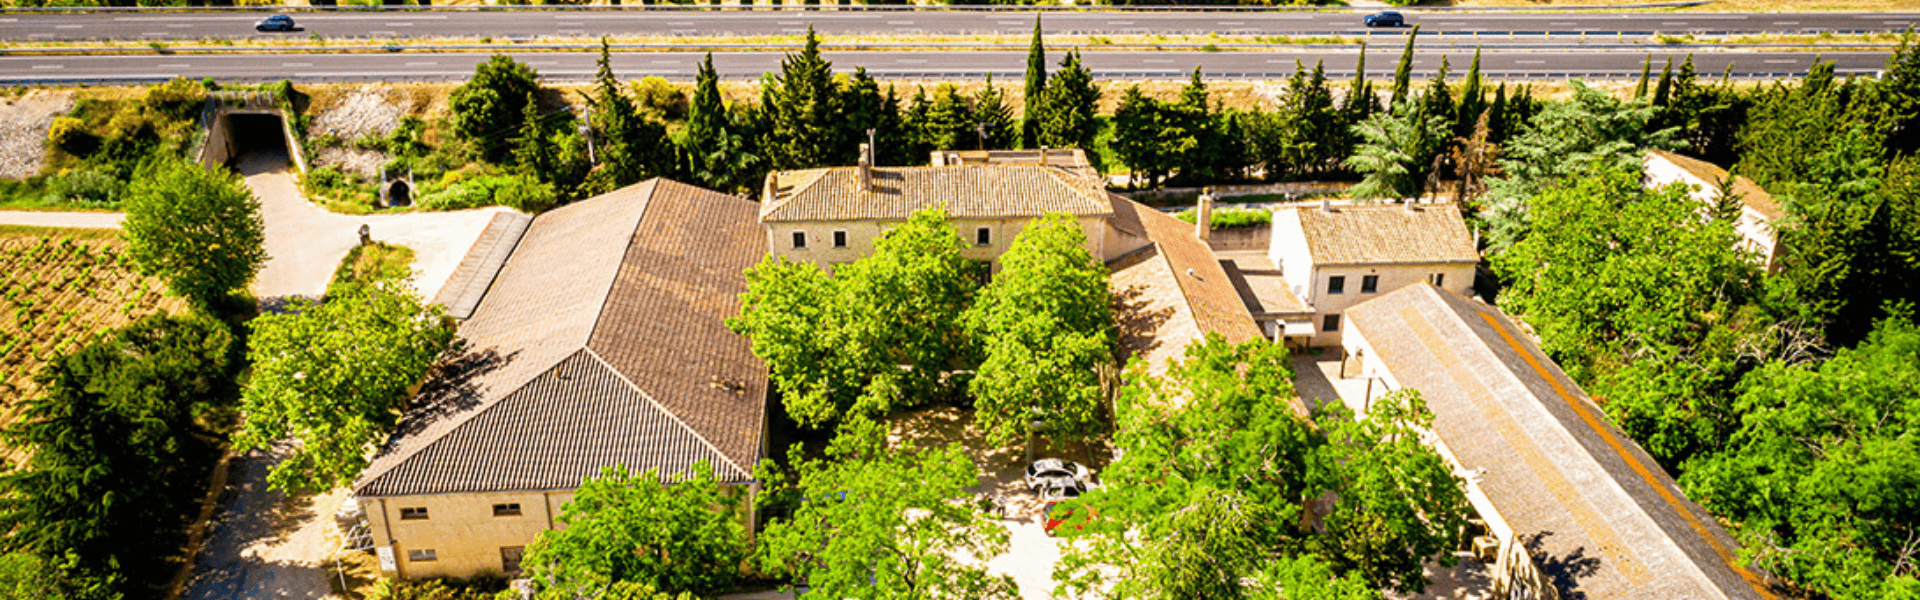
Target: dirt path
x,y
80,220
265,545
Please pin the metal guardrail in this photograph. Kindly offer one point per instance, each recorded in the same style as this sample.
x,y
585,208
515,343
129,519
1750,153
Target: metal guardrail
x,y
848,7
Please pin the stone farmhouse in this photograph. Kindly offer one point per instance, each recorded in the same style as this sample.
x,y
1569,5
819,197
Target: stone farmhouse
x,y
601,341
1337,256
1568,500
1758,210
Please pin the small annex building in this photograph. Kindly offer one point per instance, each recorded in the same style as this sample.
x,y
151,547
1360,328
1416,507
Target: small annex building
x,y
1572,503
601,342
828,216
1335,256
1758,210
1173,291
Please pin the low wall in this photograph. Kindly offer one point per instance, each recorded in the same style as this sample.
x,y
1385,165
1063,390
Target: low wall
x,y
1241,238
1166,196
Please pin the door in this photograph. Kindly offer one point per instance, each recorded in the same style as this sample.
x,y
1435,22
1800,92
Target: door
x,y
510,559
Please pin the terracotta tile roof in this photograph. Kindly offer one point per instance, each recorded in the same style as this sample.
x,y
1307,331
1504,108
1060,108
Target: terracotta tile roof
x,y
1751,194
967,191
1545,456
1203,283
1384,234
602,290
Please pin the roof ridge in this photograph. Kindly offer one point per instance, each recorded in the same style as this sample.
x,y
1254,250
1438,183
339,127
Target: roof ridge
x,y
664,410
653,187
1617,483
1060,174
461,419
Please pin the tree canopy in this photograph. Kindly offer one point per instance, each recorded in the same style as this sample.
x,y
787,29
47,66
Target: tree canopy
x,y
682,535
488,109
334,377
199,230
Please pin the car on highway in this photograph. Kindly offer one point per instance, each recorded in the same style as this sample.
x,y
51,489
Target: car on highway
x,y
275,23
1047,469
1384,19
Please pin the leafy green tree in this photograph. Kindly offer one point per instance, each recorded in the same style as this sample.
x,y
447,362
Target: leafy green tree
x,y
884,332
875,523
629,146
1853,245
1308,578
1899,87
1033,95
1820,473
1045,324
1067,107
1588,132
945,121
1403,72
678,535
714,149
1308,135
862,108
487,109
334,377
1397,152
198,230
800,105
105,440
1207,157
1216,470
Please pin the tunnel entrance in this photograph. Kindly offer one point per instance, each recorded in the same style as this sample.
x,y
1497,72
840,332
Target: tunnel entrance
x,y
397,193
254,133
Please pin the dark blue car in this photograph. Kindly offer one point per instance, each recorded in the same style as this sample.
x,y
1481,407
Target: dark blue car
x,y
1385,19
275,23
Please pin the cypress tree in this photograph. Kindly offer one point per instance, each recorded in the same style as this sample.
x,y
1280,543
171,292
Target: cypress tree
x,y
531,152
614,125
1497,124
1036,88
1663,91
1473,100
1403,74
1361,90
1640,90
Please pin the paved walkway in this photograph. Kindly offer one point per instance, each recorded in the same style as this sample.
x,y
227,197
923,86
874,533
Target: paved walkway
x,y
81,220
264,545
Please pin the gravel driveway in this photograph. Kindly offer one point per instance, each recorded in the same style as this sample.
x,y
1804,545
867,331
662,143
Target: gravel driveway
x,y
264,545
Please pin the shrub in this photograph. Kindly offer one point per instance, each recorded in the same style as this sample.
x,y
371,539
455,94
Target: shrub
x,y
659,98
70,135
1233,218
521,192
91,185
179,98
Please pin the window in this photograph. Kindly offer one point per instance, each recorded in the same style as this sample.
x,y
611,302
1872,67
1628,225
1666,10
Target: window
x,y
1439,279
1332,323
839,239
423,555
413,513
506,510
799,239
1336,285
510,558
983,237
1369,284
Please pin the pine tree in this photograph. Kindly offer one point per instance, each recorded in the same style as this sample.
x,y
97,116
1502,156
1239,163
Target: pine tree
x,y
714,152
532,152
993,117
624,145
1640,90
1036,88
1403,74
801,106
862,107
1067,110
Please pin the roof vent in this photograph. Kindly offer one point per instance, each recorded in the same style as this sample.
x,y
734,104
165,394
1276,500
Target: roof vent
x,y
1192,274
866,167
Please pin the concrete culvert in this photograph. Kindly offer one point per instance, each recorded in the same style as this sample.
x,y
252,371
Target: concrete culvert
x,y
396,193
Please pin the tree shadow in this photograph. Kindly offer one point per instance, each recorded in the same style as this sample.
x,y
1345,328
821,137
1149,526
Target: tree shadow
x,y
1565,571
452,387
1136,320
228,577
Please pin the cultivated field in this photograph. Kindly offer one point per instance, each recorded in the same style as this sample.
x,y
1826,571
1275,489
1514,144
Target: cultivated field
x,y
60,287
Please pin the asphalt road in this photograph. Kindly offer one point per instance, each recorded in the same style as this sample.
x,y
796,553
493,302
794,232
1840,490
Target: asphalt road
x,y
579,66
527,24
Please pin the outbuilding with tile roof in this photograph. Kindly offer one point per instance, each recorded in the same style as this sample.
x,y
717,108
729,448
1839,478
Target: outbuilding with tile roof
x,y
601,342
1333,256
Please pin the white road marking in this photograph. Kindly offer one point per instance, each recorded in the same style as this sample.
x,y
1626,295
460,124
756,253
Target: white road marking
x,y
543,62
384,32
899,22
1561,23
399,24
422,64
49,66
683,23
9,20
1781,62
1119,22
1531,62
68,26
176,19
178,66
665,62
1786,22
1233,22
1014,23
179,25
296,64
155,34
1664,23
1156,60
910,60
789,22
575,23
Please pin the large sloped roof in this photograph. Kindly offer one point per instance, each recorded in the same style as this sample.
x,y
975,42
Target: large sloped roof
x,y
1385,234
1751,194
967,192
602,341
1173,292
1597,509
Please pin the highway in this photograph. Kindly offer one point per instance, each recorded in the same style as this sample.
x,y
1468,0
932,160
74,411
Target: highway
x,y
20,26
1007,66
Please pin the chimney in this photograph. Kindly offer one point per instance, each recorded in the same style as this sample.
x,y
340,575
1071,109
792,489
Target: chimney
x,y
1413,204
866,167
1203,216
1043,156
1326,205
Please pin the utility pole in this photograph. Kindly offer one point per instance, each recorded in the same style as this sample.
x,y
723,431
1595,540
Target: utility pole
x,y
586,128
